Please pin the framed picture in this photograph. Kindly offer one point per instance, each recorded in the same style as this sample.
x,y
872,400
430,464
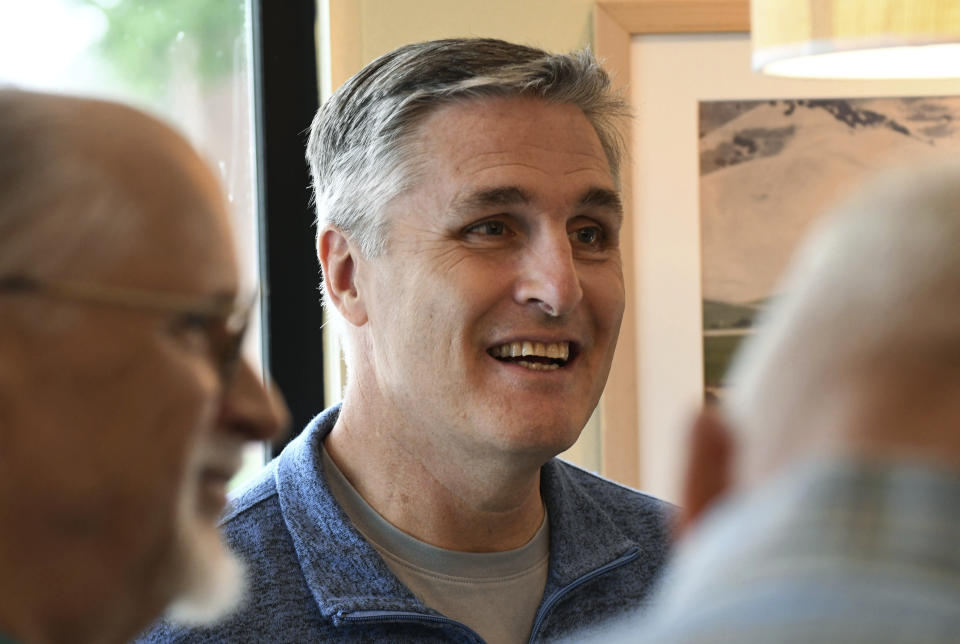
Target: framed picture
x,y
769,168
681,54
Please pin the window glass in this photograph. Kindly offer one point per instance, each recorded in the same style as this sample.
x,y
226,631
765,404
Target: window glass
x,y
186,61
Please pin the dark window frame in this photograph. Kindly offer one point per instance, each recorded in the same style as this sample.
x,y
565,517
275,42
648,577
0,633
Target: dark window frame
x,y
286,92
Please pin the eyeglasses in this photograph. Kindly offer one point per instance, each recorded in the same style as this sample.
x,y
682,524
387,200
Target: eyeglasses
x,y
224,321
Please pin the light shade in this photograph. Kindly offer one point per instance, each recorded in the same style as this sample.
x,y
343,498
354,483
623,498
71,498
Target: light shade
x,y
856,38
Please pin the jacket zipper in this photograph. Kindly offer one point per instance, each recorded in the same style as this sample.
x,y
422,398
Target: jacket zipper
x,y
388,616
560,592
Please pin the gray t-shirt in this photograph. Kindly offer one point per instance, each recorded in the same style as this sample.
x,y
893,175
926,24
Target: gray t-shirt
x,y
496,594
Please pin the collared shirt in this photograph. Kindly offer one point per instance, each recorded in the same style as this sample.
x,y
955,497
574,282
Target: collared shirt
x,y
830,551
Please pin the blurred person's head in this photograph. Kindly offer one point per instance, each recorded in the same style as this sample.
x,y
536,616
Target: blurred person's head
x,y
822,492
860,352
124,404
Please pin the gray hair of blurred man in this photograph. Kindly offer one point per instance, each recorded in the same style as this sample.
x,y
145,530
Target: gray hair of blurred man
x,y
861,352
58,211
363,140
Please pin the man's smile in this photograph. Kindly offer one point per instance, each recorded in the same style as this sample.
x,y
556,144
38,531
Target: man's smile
x,y
538,356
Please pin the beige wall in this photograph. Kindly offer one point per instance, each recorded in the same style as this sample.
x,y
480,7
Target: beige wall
x,y
360,30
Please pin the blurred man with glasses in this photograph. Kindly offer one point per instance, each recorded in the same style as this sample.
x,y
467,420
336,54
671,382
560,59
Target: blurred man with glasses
x,y
124,402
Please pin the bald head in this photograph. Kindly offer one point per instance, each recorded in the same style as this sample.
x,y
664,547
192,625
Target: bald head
x,y
861,353
123,409
77,176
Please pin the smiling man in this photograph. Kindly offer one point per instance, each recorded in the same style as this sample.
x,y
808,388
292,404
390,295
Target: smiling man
x,y
124,402
468,232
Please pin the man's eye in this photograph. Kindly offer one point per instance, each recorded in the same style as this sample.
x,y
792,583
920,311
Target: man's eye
x,y
191,322
191,329
590,235
487,228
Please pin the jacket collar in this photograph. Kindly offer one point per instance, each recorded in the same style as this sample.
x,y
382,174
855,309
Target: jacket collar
x,y
345,573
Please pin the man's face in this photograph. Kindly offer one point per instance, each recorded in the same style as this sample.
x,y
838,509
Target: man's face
x,y
120,432
508,245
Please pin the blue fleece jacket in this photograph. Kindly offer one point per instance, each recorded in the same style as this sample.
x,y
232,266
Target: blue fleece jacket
x,y
314,578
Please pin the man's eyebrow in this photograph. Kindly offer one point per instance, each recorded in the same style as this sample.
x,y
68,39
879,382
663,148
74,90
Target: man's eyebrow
x,y
225,295
515,196
603,198
493,197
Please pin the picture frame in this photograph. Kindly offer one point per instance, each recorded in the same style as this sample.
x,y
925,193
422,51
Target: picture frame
x,y
616,22
667,55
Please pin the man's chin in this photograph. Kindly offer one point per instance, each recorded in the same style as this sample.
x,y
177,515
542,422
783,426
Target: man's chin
x,y
213,579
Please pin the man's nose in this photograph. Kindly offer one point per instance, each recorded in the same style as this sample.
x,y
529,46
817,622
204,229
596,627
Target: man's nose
x,y
549,278
251,409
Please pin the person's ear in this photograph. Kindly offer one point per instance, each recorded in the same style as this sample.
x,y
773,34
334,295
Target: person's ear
x,y
338,259
708,474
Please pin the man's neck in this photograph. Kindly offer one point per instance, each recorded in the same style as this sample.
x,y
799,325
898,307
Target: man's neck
x,y
433,494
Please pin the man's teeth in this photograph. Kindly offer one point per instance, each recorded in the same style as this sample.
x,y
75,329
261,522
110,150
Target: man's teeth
x,y
538,366
558,351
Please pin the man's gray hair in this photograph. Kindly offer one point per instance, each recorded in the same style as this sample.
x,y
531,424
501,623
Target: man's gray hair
x,y
58,210
361,148
874,292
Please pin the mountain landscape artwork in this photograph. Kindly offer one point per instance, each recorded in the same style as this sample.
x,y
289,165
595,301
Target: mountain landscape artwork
x,y
769,168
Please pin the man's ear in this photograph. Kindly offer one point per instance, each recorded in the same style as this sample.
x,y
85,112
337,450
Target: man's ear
x,y
708,474
338,259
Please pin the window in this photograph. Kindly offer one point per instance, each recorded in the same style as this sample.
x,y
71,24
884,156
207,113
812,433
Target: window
x,y
200,65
